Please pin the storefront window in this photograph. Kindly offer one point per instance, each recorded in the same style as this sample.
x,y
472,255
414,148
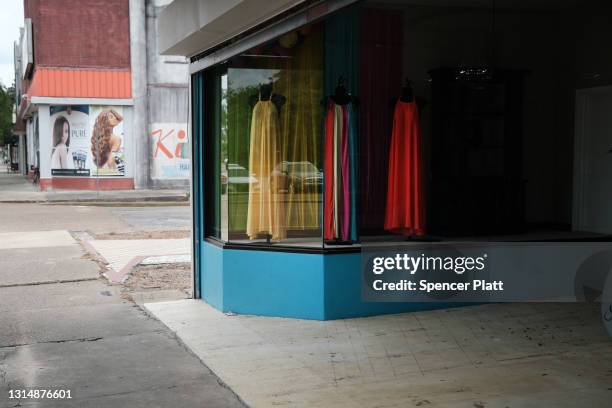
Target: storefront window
x,y
270,135
392,122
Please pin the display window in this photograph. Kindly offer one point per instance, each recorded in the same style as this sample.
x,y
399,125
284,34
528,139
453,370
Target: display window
x,y
400,121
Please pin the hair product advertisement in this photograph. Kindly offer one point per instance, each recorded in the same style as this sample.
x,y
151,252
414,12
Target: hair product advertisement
x,y
87,141
107,141
70,141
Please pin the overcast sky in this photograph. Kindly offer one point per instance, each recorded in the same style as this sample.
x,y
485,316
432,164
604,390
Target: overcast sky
x,y
11,18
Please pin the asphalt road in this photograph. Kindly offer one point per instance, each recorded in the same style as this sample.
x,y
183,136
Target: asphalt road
x,y
162,218
46,217
78,333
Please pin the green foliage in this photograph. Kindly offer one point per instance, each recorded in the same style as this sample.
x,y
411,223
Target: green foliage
x,y
6,113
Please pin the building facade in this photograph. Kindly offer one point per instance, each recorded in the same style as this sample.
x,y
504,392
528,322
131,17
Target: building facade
x,y
328,131
97,107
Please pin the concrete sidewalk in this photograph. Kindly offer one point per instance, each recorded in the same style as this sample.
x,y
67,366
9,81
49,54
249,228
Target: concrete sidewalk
x,y
15,188
122,255
64,328
84,196
498,355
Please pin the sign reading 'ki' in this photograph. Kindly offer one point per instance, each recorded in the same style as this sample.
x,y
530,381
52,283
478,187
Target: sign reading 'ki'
x,y
170,151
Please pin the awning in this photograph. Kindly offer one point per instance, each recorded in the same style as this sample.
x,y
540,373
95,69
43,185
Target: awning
x,y
188,27
81,83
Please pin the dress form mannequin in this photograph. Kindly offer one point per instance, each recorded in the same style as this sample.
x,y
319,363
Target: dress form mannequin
x,y
266,94
407,92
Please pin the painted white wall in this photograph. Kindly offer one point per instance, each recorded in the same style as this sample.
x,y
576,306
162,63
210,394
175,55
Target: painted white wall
x,y
46,140
30,143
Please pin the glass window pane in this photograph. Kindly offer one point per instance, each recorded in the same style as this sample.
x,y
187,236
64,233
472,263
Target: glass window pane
x,y
274,115
224,161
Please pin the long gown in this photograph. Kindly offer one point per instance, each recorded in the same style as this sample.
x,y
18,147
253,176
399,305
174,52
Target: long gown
x,y
337,215
405,211
266,212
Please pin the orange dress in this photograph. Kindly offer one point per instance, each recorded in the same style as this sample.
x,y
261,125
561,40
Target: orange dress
x,y
404,209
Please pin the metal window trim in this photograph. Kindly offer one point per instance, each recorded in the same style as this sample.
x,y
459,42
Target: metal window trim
x,y
195,250
268,33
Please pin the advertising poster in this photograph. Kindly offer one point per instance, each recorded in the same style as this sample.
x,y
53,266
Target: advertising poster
x,y
170,151
107,141
70,141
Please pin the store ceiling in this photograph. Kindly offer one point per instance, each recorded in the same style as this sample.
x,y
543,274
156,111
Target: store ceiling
x,y
500,4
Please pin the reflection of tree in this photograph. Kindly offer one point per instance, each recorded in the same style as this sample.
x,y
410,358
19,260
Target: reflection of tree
x,y
223,126
239,114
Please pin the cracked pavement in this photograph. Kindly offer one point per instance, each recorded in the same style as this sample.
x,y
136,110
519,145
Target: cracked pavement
x,y
63,327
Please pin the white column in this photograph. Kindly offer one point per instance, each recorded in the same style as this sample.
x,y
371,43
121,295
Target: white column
x,y
22,154
45,140
30,142
138,53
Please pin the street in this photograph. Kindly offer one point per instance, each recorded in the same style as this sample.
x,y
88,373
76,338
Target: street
x,y
64,327
95,302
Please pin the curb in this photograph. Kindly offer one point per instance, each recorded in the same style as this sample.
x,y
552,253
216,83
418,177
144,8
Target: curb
x,y
122,203
155,199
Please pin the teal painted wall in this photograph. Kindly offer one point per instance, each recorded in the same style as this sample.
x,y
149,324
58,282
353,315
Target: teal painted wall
x,y
274,284
282,284
211,279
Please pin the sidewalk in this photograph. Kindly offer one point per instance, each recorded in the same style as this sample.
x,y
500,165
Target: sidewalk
x,y
15,188
62,327
498,355
122,255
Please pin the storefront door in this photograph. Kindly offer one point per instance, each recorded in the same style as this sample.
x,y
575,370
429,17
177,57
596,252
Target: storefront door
x,y
593,191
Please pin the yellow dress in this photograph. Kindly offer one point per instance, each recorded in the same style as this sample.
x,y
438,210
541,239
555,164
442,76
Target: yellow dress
x,y
266,210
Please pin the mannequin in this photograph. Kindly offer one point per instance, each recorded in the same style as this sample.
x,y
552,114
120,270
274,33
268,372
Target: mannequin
x,y
339,200
407,96
341,95
265,226
407,92
266,94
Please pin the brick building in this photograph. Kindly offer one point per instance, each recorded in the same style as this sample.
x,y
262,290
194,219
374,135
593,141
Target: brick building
x,y
97,107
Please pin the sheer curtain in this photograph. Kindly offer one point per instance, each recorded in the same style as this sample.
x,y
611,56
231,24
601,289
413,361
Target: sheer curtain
x,y
295,69
342,59
301,130
381,82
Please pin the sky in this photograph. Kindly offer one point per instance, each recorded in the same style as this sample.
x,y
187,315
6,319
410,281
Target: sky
x,y
11,18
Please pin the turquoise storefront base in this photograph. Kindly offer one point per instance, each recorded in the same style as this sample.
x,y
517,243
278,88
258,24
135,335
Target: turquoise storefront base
x,y
283,284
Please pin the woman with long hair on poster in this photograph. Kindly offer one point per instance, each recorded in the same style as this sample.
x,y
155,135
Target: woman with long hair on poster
x,y
104,141
61,142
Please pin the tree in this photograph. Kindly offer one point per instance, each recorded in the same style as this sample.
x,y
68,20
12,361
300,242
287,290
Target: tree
x,y
6,113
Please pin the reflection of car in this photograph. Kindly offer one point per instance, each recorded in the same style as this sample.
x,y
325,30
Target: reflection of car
x,y
302,176
236,178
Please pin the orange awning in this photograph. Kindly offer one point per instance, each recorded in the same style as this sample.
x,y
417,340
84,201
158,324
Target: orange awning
x,y
81,83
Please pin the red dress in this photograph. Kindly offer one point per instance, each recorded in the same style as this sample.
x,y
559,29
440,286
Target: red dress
x,y
404,212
